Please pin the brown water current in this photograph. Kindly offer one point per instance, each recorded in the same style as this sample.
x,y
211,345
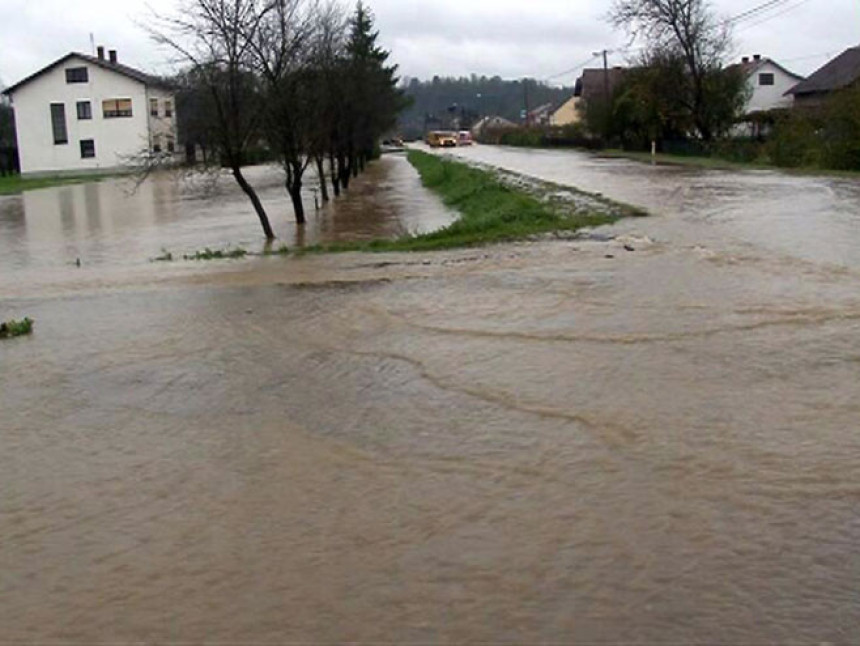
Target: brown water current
x,y
558,441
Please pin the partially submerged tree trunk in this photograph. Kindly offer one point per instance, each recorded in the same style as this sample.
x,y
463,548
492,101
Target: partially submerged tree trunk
x,y
322,178
294,188
255,201
335,179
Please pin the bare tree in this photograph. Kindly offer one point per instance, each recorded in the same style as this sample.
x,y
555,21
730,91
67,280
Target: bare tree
x,y
215,38
688,29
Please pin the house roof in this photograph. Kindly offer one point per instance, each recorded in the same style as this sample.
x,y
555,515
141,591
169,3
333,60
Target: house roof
x,y
591,85
119,68
573,98
841,72
546,108
751,67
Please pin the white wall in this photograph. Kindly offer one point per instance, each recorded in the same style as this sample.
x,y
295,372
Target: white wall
x,y
770,97
161,126
116,140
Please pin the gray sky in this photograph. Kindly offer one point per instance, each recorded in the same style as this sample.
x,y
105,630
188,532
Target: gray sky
x,y
510,38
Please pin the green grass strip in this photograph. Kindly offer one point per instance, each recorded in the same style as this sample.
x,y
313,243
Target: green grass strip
x,y
15,184
490,212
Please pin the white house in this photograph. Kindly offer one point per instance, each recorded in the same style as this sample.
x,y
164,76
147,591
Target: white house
x,y
767,82
85,114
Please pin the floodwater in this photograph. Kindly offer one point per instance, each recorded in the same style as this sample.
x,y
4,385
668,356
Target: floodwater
x,y
115,227
560,441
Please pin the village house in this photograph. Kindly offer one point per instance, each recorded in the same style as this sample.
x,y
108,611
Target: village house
x,y
540,116
90,114
840,73
491,124
597,85
567,113
767,83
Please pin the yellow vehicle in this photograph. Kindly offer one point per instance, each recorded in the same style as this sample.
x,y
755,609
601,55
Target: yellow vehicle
x,y
441,139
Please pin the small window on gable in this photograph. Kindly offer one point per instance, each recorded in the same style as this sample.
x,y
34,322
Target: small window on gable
x,y
77,75
116,108
88,148
85,111
153,107
765,79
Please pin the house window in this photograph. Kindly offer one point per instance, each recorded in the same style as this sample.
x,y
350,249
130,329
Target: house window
x,y
156,144
85,111
58,123
171,145
153,107
765,79
88,148
116,108
168,109
77,75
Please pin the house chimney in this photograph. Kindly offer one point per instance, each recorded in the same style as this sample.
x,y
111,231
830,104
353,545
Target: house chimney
x,y
745,59
757,57
101,52
112,54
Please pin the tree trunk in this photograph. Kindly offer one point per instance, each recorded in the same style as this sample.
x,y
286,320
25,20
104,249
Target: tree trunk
x,y
343,171
353,165
335,179
294,188
323,181
258,206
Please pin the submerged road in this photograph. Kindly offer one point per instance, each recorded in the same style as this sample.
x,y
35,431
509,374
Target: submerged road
x,y
554,441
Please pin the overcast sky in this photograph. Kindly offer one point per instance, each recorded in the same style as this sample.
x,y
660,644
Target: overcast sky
x,y
511,38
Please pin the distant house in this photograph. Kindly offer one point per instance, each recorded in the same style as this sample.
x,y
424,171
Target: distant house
x,y
568,113
540,116
84,113
767,83
840,73
597,84
489,124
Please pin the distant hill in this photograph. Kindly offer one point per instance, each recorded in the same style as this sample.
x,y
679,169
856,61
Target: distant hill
x,y
436,102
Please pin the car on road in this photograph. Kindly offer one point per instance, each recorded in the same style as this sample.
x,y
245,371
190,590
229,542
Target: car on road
x,y
441,139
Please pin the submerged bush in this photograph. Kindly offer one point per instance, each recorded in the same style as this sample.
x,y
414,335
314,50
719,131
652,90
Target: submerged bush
x,y
14,328
216,254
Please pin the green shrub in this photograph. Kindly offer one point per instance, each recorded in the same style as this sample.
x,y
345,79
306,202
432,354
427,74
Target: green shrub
x,y
14,328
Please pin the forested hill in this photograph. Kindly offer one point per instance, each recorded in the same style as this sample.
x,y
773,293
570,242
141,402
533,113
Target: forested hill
x,y
473,97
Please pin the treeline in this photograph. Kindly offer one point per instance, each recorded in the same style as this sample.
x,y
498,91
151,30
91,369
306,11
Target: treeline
x,y
304,82
469,98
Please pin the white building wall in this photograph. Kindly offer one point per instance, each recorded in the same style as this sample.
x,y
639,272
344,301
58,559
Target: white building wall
x,y
117,140
162,128
770,97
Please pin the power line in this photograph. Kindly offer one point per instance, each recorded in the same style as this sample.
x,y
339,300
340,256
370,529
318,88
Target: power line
x,y
776,15
573,69
752,13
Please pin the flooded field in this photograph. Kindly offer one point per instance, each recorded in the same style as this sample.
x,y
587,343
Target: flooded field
x,y
545,442
116,228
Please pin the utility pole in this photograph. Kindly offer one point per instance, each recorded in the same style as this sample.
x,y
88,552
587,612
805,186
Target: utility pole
x,y
605,76
526,100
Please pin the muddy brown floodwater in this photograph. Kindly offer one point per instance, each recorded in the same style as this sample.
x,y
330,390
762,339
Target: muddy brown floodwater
x,y
553,441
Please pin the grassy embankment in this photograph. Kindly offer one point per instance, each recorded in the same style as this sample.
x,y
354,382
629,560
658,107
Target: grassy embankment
x,y
490,211
14,184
